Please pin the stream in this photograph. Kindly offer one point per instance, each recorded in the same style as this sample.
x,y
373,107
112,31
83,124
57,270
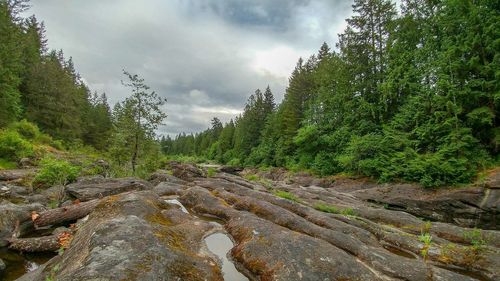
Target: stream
x,y
19,264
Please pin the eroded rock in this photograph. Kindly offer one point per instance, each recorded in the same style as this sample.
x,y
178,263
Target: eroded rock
x,y
135,236
92,188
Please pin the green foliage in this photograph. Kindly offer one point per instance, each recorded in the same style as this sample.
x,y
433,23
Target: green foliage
x,y
327,208
6,164
334,210
53,171
13,147
476,239
211,172
425,238
398,100
251,177
286,195
26,129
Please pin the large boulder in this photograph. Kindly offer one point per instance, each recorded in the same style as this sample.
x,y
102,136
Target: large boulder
x,y
468,207
185,171
164,176
92,188
134,236
16,174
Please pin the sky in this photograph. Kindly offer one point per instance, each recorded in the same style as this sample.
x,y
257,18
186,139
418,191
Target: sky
x,y
205,56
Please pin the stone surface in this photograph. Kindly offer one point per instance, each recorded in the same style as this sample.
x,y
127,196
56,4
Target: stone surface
x,y
134,236
185,171
16,174
314,229
92,188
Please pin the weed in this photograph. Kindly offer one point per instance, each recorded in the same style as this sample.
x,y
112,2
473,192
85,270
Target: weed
x,y
211,172
426,227
348,212
476,239
286,195
327,208
251,177
425,238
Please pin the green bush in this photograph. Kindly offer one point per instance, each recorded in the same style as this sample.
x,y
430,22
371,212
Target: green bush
x,y
13,147
6,164
53,171
26,129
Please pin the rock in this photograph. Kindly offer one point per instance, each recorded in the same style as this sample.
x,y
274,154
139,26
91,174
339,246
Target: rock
x,y
185,171
467,207
92,188
169,188
11,215
134,236
164,176
16,174
230,169
493,180
25,163
2,266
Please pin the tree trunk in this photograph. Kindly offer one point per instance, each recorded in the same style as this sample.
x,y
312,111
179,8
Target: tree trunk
x,y
37,244
63,214
134,155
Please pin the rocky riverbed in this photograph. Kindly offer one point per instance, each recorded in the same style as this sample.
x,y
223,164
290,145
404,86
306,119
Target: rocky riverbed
x,y
182,224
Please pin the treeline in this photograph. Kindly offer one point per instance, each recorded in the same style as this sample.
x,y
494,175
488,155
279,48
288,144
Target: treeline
x,y
406,95
43,87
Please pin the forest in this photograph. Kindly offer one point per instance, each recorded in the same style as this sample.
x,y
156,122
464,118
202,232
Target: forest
x,y
409,93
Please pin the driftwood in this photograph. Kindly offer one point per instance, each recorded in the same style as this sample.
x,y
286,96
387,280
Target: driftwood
x,y
64,214
36,244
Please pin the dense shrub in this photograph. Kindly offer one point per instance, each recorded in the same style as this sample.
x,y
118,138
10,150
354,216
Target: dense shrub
x,y
13,147
53,171
26,129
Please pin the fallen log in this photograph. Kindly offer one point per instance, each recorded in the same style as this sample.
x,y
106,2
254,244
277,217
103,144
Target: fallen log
x,y
36,244
64,214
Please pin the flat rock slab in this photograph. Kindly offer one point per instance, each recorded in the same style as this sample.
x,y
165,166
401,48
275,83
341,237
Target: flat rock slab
x,y
134,236
16,174
88,189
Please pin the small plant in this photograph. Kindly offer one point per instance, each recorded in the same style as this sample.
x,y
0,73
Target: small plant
x,y
327,208
348,212
53,204
425,238
54,172
476,239
286,195
426,227
251,177
211,172
266,183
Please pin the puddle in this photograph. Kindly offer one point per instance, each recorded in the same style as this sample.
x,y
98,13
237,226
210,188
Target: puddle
x,y
176,202
220,244
18,265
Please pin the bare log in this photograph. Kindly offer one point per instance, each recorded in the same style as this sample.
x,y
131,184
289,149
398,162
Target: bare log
x,y
64,214
36,244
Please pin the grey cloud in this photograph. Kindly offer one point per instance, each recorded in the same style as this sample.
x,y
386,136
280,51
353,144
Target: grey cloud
x,y
181,47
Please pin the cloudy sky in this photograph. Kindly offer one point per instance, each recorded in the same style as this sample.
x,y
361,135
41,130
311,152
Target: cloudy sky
x,y
205,56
